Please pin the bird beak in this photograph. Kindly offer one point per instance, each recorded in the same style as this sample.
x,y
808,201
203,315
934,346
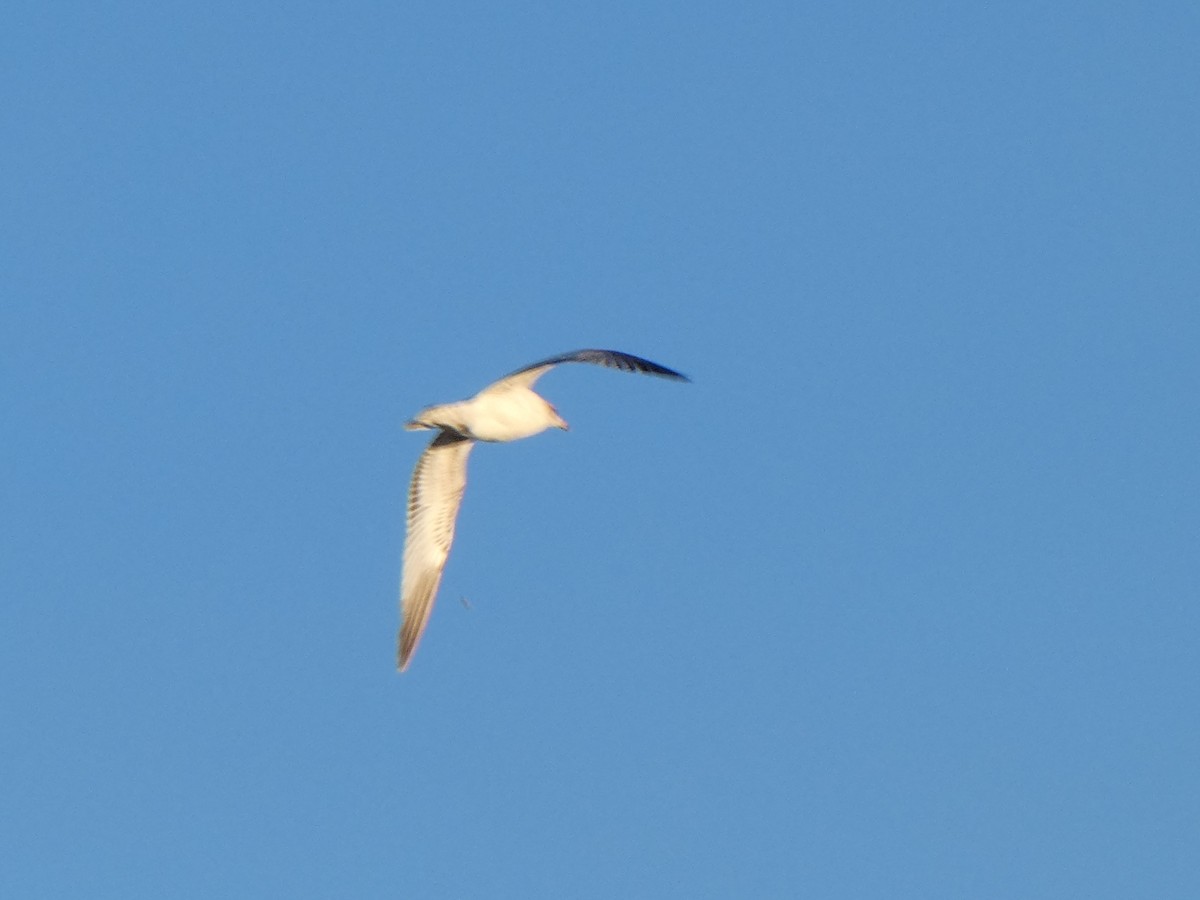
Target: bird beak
x,y
559,421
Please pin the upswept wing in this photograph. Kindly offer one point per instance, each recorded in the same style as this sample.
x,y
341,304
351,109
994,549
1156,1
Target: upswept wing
x,y
433,500
610,359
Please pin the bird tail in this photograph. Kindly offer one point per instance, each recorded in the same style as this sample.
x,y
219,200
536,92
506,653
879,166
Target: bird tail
x,y
444,416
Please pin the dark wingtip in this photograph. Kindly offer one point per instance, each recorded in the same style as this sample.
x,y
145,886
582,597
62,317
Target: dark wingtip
x,y
625,362
404,652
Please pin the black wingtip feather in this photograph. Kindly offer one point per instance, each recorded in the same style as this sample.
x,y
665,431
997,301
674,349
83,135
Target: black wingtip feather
x,y
615,359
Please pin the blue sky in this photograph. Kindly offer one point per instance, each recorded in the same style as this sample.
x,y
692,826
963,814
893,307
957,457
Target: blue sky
x,y
897,599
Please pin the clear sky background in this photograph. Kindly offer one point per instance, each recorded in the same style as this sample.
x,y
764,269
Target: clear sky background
x,y
898,599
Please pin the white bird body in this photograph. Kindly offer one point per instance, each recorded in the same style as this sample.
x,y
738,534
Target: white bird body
x,y
508,414
507,410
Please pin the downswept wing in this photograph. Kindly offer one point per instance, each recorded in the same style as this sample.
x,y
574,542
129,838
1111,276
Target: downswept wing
x,y
434,497
610,359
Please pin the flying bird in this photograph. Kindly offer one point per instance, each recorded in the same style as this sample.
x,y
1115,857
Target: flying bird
x,y
506,410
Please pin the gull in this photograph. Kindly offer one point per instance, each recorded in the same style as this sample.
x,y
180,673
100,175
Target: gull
x,y
506,410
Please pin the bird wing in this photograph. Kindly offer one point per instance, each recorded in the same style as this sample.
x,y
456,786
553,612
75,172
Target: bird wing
x,y
610,359
433,499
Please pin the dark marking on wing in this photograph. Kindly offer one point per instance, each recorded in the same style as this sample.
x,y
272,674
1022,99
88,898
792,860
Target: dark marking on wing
x,y
610,359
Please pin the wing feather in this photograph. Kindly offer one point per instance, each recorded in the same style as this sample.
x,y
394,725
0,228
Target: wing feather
x,y
610,359
434,497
